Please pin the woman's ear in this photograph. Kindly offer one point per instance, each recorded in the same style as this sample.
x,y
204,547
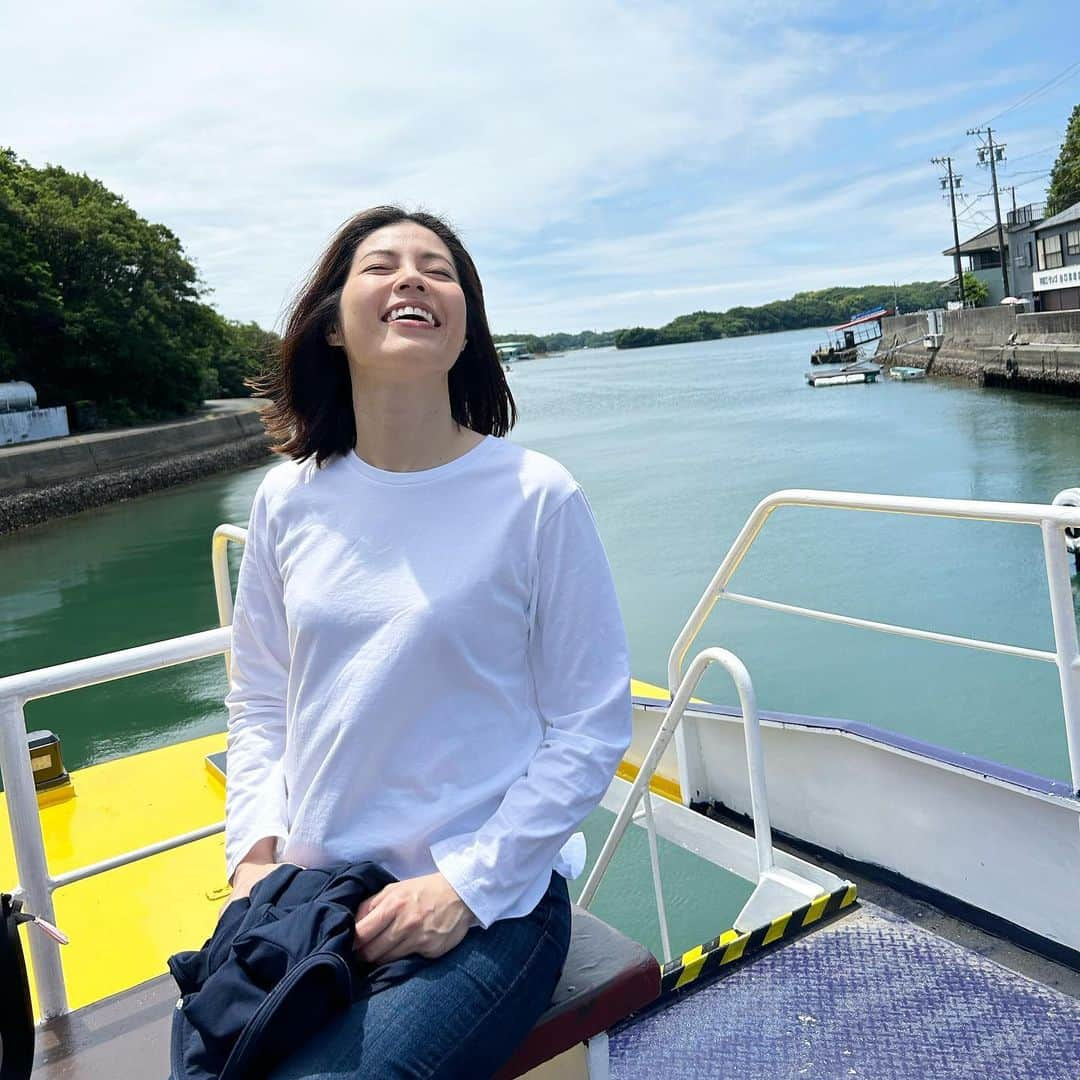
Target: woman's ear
x,y
334,339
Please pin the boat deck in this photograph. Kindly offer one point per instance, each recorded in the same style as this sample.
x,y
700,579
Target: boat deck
x,y
870,994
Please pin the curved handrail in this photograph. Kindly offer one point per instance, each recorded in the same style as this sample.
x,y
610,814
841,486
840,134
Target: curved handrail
x,y
672,718
1052,520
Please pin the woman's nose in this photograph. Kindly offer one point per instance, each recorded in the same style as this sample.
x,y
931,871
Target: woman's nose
x,y
409,278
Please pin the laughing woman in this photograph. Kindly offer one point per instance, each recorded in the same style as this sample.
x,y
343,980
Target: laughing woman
x,y
429,668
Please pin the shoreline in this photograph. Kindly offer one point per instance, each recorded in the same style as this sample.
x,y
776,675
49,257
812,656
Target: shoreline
x,y
994,347
61,477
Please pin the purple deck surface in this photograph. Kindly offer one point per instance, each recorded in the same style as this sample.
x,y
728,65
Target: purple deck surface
x,y
870,995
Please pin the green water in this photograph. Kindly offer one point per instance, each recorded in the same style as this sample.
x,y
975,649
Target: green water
x,y
674,447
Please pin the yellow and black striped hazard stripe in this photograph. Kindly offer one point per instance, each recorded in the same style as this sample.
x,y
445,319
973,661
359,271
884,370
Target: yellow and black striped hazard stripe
x,y
731,946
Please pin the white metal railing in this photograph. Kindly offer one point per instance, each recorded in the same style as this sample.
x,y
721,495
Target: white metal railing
x,y
1057,524
36,884
639,790
1052,521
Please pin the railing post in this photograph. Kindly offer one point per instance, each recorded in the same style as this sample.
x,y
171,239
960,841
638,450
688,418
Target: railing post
x,y
658,886
30,860
1065,639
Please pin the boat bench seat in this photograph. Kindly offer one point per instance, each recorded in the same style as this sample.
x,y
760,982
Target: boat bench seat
x,y
607,976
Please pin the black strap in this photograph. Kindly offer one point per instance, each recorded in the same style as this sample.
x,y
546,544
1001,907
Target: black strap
x,y
16,1012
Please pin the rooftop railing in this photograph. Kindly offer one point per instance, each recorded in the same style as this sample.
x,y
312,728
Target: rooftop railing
x,y
1025,215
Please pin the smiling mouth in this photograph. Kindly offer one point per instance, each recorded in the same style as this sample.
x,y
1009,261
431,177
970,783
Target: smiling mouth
x,y
412,314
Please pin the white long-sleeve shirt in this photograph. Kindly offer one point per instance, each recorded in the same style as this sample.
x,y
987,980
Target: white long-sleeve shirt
x,y
429,669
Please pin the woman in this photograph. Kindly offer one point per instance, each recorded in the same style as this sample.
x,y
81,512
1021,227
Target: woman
x,y
429,669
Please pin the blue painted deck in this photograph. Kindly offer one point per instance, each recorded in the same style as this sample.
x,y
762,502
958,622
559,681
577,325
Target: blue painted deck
x,y
870,995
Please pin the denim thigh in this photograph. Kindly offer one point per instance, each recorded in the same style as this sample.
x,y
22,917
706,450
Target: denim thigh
x,y
462,1015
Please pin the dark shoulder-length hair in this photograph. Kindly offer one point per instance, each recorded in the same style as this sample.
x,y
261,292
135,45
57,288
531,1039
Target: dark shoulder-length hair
x,y
308,384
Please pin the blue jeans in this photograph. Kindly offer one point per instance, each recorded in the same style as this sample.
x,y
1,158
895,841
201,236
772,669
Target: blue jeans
x,y
462,1015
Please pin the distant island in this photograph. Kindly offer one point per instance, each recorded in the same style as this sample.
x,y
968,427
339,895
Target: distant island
x,y
823,307
545,343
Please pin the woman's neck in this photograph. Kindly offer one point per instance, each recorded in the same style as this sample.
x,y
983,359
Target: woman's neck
x,y
402,429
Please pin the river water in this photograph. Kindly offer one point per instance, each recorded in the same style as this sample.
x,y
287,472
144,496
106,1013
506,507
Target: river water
x,y
674,446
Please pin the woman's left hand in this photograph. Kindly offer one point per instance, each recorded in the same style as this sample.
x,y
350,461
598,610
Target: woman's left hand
x,y
419,915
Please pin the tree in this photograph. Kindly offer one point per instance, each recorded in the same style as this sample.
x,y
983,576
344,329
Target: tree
x,y
803,310
1064,189
98,303
247,351
29,299
636,337
975,291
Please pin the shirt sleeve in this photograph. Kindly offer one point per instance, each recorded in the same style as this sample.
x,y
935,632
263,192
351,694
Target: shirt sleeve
x,y
255,796
579,660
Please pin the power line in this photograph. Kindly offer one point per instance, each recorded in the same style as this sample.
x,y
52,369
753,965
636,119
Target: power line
x,y
1058,78
1035,153
1033,180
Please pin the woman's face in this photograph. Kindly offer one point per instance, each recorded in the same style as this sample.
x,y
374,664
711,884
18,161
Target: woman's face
x,y
402,308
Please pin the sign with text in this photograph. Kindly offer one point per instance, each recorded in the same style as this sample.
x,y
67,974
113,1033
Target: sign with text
x,y
1067,277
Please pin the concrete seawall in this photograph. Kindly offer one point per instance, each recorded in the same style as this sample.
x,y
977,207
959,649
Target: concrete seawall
x,y
40,481
993,346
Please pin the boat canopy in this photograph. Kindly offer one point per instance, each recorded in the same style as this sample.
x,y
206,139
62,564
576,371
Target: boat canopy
x,y
864,317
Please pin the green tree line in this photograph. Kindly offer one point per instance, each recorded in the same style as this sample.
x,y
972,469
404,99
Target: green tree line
x,y
561,342
823,307
98,304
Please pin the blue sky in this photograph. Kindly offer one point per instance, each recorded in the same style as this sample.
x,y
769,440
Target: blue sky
x,y
608,164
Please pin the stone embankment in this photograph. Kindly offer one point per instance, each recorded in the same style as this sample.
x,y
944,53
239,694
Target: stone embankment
x,y
56,477
993,346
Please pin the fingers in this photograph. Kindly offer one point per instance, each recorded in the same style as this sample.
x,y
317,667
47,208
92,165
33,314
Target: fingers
x,y
414,916
387,946
390,943
386,928
374,928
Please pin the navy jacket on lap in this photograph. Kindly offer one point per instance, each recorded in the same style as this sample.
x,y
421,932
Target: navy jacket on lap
x,y
279,965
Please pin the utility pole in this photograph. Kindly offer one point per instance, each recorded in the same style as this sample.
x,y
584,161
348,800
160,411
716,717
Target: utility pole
x,y
953,182
993,154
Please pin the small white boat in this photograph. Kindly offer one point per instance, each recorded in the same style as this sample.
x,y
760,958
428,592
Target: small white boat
x,y
853,373
907,374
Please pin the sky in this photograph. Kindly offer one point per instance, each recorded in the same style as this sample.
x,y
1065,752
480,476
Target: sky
x,y
607,164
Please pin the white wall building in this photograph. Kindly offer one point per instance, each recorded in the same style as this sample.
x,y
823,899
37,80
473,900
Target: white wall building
x,y
22,421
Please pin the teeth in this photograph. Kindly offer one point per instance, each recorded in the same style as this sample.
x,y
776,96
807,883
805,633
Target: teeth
x,y
398,312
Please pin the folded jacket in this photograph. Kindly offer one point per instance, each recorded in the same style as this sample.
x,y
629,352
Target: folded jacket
x,y
279,965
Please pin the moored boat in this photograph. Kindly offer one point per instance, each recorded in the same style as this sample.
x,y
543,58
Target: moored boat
x,y
907,374
853,373
845,339
513,352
